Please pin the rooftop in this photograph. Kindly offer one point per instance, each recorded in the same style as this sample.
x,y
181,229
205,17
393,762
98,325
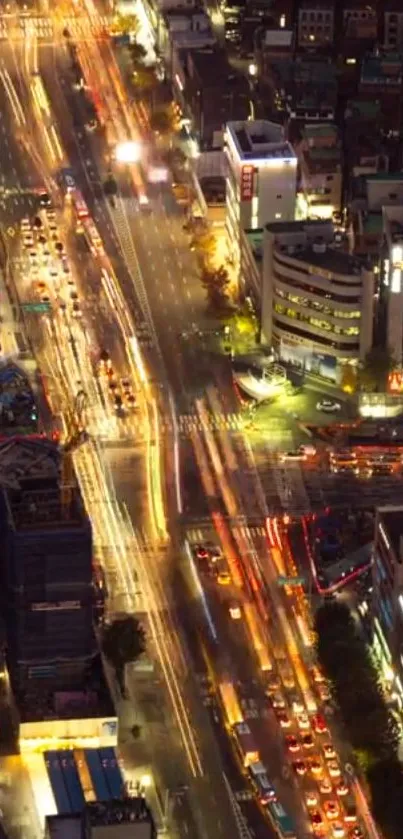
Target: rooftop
x,y
30,475
259,140
211,65
317,4
312,131
382,69
323,159
391,519
121,812
330,259
313,226
365,109
373,224
89,701
393,177
18,412
68,826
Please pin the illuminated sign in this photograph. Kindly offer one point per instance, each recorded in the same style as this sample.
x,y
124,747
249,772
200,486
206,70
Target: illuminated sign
x,y
247,183
395,382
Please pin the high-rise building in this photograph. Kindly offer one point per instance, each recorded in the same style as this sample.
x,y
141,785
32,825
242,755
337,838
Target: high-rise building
x,y
392,279
261,179
317,300
387,594
46,570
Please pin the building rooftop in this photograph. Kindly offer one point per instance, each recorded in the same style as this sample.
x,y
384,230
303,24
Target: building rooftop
x,y
393,177
382,69
259,140
312,131
317,4
211,65
323,159
330,259
89,701
314,226
30,470
68,826
391,520
372,224
18,411
363,109
128,811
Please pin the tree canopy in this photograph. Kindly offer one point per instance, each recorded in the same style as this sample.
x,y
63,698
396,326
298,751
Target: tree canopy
x,y
123,641
145,78
370,726
124,24
163,120
216,282
378,363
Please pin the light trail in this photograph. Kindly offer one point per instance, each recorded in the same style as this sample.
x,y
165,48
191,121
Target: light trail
x,y
200,592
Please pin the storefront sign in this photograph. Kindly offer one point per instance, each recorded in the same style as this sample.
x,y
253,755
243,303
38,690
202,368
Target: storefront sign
x,y
247,183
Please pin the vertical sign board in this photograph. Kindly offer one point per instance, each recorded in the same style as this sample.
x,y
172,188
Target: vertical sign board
x,y
247,183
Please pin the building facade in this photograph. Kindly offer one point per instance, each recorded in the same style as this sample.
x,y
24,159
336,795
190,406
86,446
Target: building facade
x,y
261,177
387,594
320,165
315,24
392,279
47,575
317,301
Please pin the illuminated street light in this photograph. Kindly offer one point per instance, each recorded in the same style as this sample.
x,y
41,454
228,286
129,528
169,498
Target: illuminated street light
x,y
128,152
252,70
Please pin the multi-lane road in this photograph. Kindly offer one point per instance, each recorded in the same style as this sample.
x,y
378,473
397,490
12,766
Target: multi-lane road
x,y
144,283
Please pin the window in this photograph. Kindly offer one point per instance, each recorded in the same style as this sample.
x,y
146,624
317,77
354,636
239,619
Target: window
x,y
329,177
392,196
278,197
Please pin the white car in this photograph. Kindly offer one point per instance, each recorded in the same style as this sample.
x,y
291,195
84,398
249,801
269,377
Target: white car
x,y
292,456
328,406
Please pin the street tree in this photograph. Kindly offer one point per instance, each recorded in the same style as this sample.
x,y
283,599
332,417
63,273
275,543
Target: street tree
x,y
123,641
204,243
145,79
216,282
377,365
125,24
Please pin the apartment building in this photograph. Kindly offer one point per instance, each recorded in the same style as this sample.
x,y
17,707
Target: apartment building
x,y
320,168
315,24
392,24
317,301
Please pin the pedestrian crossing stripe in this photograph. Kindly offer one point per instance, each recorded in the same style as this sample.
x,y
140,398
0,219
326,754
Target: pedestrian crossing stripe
x,y
196,536
189,422
244,795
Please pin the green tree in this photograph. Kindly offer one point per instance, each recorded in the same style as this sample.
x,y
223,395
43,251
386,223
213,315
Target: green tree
x,y
145,79
349,378
123,641
124,25
216,282
385,780
205,244
377,365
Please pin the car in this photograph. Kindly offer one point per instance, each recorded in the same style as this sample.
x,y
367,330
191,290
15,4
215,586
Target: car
x,y
76,310
338,831
45,257
328,751
131,400
73,295
293,456
273,685
28,242
334,769
307,741
284,720
324,692
25,223
53,270
328,406
303,721
311,799
332,809
317,675
296,704
341,788
350,815
308,449
300,767
200,551
66,268
45,298
105,360
278,701
319,724
292,743
317,822
325,787
126,385
288,679
356,833
33,256
112,384
118,403
224,578
235,611
316,768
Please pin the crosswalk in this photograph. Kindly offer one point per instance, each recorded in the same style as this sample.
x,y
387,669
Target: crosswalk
x,y
198,535
214,422
46,28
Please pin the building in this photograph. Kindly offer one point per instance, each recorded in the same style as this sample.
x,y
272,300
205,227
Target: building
x,y
312,92
46,569
183,29
317,300
387,594
211,92
392,24
320,165
261,179
392,279
128,818
381,79
315,24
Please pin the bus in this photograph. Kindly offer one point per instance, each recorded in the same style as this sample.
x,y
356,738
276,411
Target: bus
x,y
93,238
261,783
230,702
283,824
57,781
67,180
246,745
350,809
80,205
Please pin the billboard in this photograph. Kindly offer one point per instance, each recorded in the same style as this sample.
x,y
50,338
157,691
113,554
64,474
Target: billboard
x,y
247,183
